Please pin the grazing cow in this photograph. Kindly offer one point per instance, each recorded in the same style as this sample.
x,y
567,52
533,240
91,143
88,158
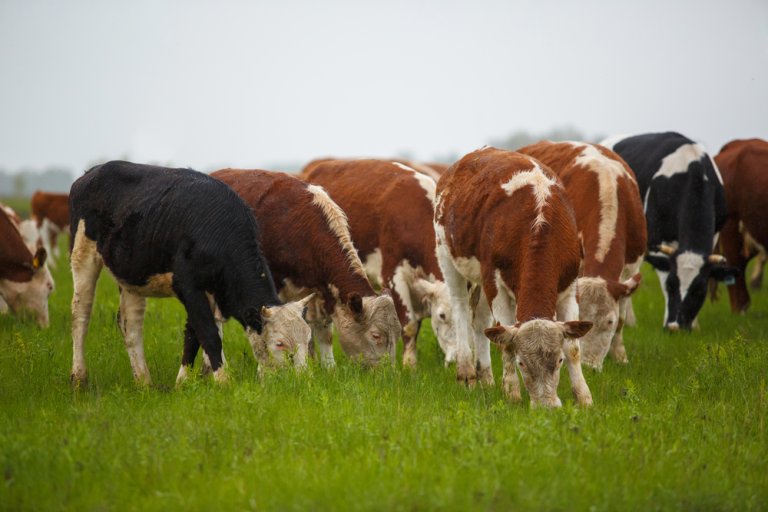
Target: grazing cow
x,y
25,281
51,213
175,232
611,224
390,212
505,225
684,204
744,167
307,244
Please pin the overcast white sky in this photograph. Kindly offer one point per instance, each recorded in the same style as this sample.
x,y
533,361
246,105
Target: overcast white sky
x,y
253,84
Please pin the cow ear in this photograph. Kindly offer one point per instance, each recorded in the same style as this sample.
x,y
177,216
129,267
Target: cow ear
x,y
725,274
254,319
625,288
39,259
425,291
501,335
355,303
386,291
658,262
576,328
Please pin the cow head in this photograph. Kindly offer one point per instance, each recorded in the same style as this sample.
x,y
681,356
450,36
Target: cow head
x,y
32,294
435,295
684,276
599,303
284,335
368,327
538,348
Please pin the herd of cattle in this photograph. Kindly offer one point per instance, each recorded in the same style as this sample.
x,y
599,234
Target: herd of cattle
x,y
537,251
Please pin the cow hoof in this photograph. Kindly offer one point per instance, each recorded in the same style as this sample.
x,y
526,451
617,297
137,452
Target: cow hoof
x,y
512,393
409,361
79,380
584,400
485,376
466,374
220,376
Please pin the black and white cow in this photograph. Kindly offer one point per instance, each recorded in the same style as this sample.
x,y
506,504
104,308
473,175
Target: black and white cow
x,y
684,203
175,232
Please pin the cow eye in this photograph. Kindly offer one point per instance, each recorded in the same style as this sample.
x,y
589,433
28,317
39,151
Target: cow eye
x,y
442,316
520,364
561,360
280,345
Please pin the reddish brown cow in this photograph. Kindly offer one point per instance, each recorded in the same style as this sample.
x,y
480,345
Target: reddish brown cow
x,y
306,242
25,282
504,223
744,167
390,212
611,224
50,211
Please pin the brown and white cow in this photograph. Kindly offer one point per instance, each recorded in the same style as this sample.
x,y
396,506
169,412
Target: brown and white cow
x,y
307,244
504,223
611,224
50,211
25,281
390,210
743,165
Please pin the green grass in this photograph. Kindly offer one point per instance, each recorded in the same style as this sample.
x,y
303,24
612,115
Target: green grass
x,y
681,427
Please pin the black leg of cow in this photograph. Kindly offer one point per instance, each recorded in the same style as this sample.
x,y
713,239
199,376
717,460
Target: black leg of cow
x,y
202,322
191,347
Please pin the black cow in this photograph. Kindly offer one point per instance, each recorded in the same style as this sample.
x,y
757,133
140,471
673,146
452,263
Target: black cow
x,y
684,204
164,232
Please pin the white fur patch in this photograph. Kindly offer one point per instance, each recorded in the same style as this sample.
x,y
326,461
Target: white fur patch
x,y
337,222
469,268
678,162
428,184
608,173
401,282
610,142
373,264
541,184
688,267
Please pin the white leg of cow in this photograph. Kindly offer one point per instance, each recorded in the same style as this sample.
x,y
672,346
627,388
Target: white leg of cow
x,y
323,335
663,284
86,265
568,310
132,308
481,321
45,238
504,312
457,287
618,351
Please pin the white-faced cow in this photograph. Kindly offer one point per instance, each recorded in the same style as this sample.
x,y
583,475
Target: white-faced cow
x,y
390,210
684,204
25,281
611,224
50,211
504,224
744,166
175,232
306,242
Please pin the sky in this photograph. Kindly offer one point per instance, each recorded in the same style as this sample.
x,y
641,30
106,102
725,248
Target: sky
x,y
260,84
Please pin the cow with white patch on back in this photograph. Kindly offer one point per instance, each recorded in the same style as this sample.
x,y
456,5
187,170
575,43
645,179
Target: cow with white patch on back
x,y
611,224
306,242
175,232
390,210
25,281
504,224
685,208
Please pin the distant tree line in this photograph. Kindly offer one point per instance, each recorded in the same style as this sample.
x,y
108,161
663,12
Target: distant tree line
x,y
522,138
24,182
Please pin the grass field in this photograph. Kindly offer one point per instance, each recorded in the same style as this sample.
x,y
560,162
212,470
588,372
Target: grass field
x,y
681,427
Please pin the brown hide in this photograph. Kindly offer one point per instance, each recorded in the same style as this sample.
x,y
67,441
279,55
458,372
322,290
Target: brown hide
x,y
387,210
483,222
16,262
51,206
583,190
744,167
296,239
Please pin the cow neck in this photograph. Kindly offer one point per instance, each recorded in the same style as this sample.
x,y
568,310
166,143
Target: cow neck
x,y
347,281
251,286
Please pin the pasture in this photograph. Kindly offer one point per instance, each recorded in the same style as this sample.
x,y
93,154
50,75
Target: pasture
x,y
681,427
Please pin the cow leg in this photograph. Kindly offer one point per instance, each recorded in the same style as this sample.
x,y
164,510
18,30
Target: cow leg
x,y
191,347
481,321
132,321
86,266
457,286
618,352
504,308
323,335
400,278
206,369
202,321
756,278
410,334
45,238
568,310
